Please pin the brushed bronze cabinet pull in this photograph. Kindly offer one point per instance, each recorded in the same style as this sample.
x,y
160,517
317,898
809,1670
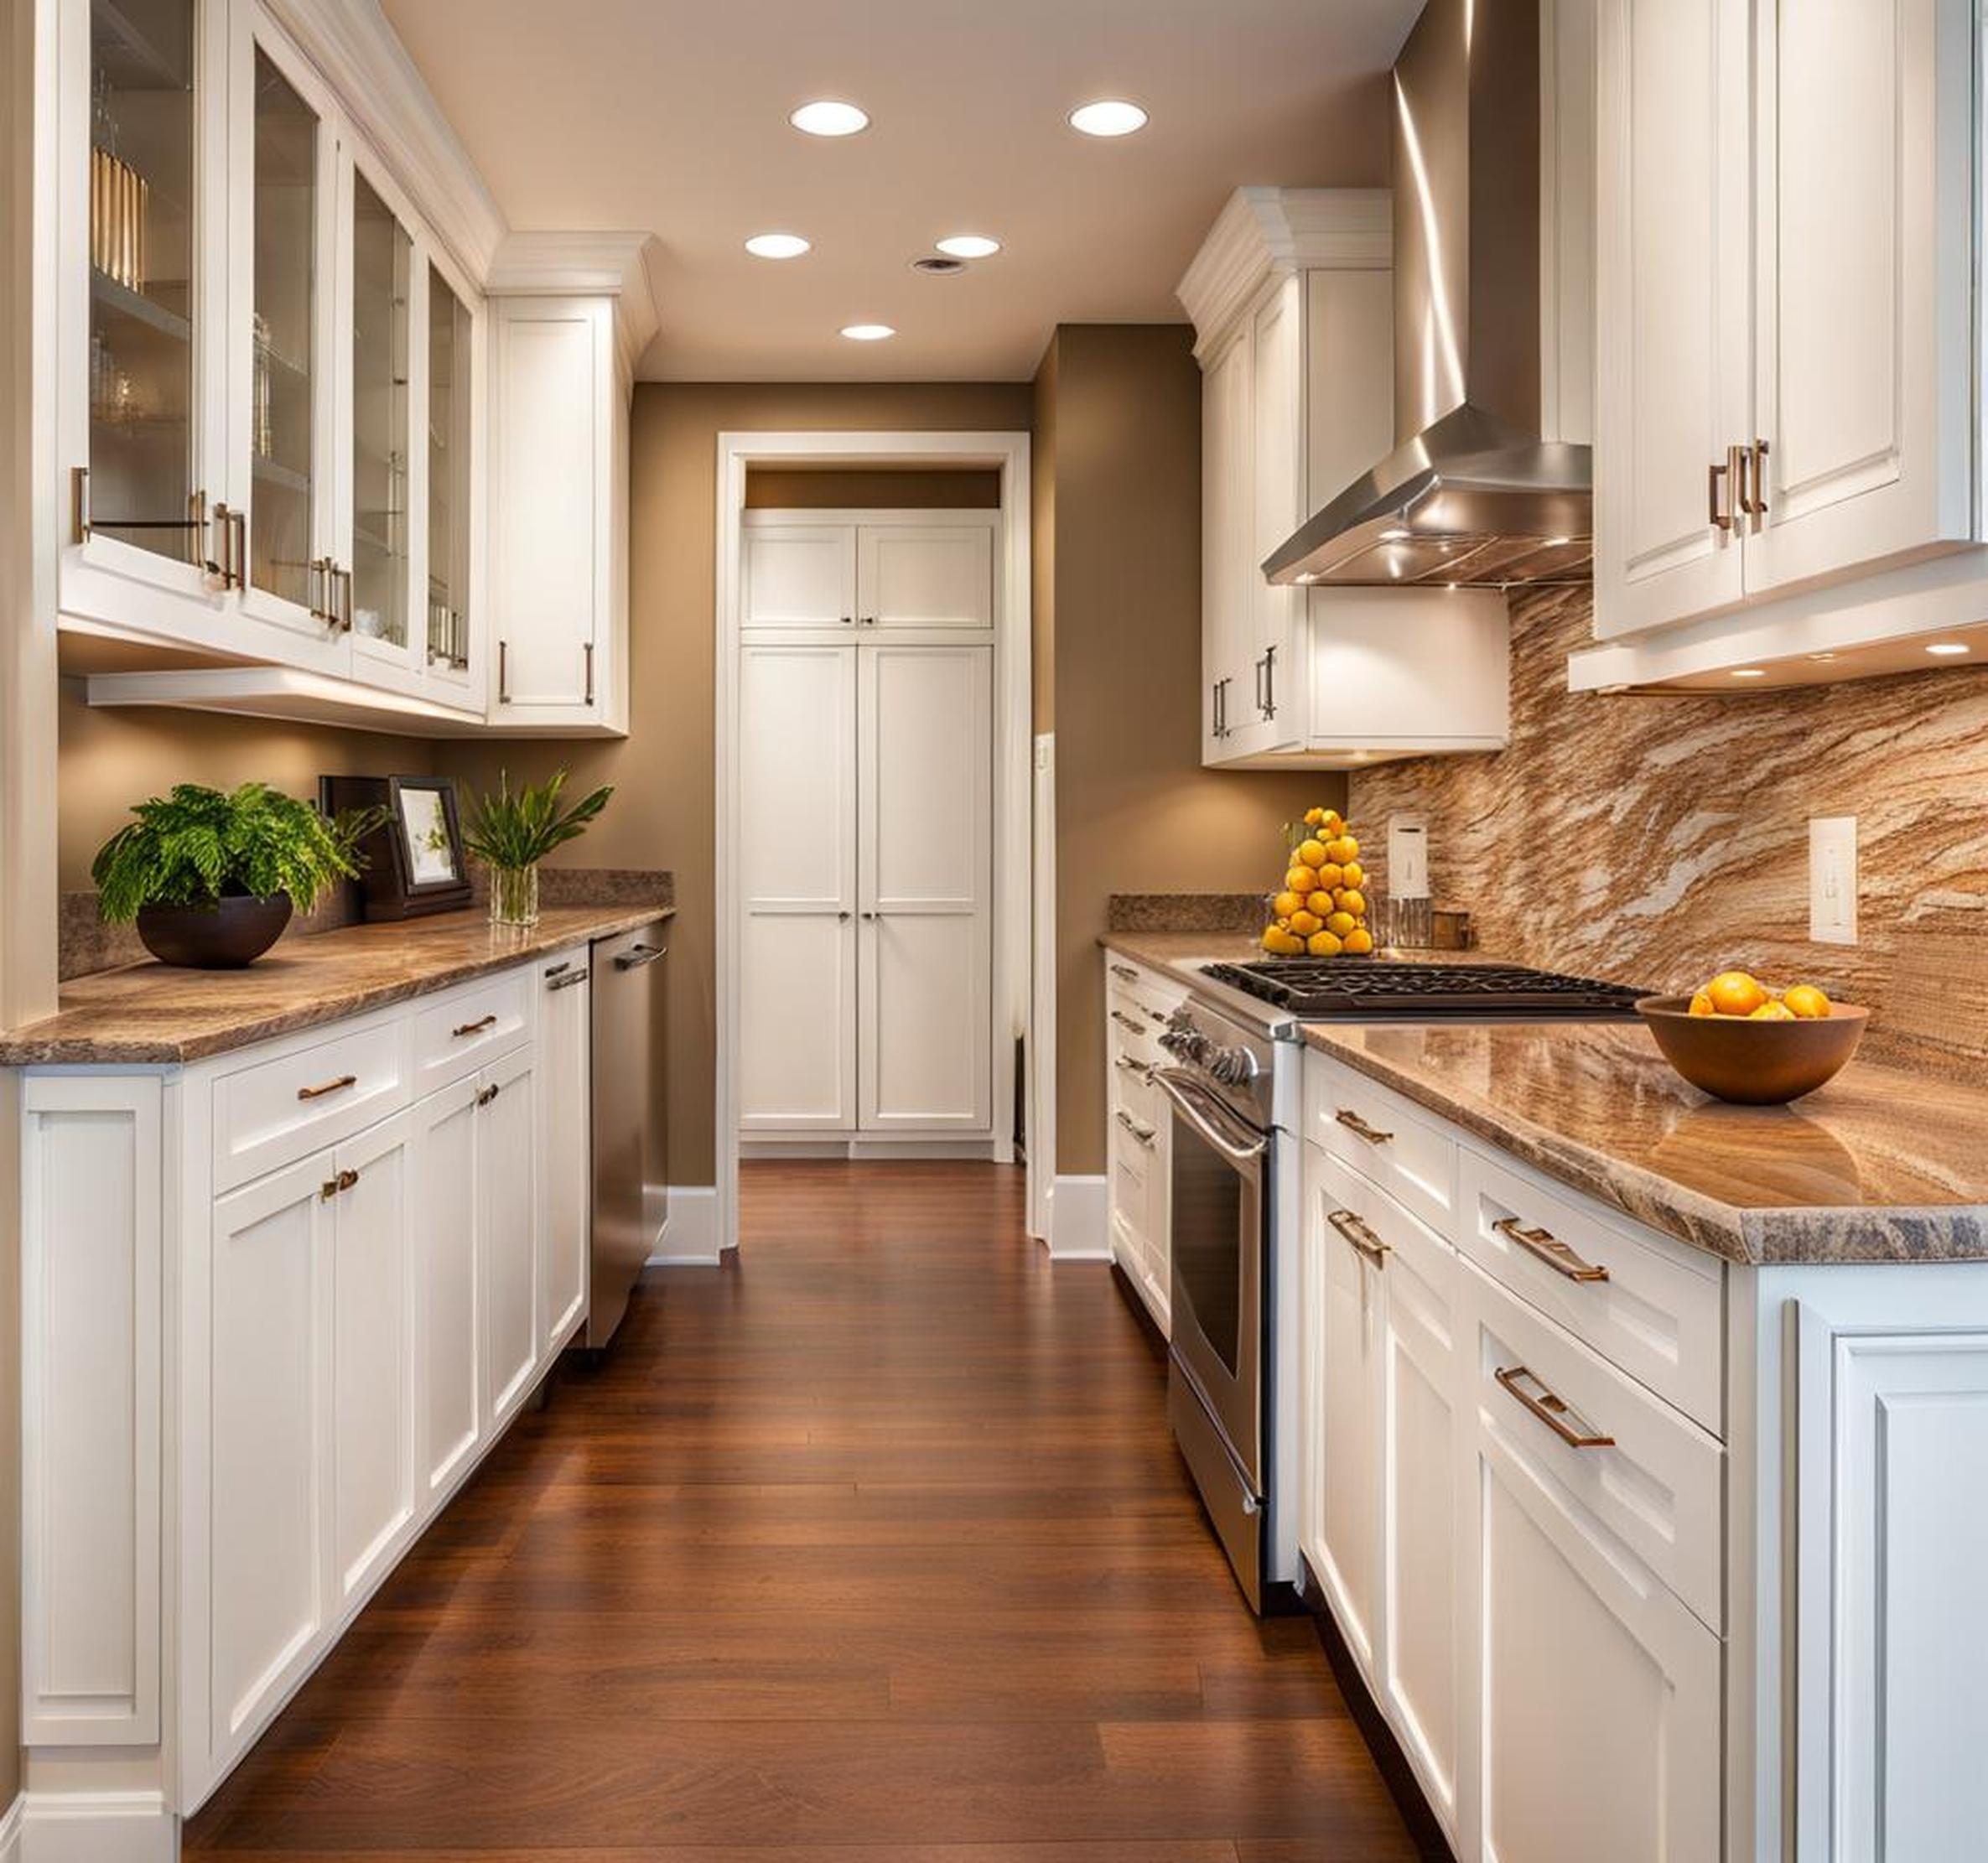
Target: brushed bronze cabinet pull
x,y
478,1026
487,1095
1124,1021
1359,1128
1549,1249
1757,479
1567,1423
347,1179
1360,1236
332,1185
1139,1130
588,650
1720,519
337,1085
503,672
78,504
1125,971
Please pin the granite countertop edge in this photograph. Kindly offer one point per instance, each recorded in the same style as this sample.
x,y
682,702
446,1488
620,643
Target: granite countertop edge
x,y
83,1032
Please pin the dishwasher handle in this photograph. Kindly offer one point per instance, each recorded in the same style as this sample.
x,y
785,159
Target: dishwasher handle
x,y
637,955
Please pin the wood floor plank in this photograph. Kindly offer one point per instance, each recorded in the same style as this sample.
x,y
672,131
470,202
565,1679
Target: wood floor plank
x,y
870,1547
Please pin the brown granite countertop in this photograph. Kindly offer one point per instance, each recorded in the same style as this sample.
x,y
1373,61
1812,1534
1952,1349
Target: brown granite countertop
x,y
152,1015
1882,1164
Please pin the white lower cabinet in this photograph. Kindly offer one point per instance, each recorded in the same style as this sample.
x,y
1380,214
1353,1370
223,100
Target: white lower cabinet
x,y
507,1222
451,1395
565,1142
1139,1132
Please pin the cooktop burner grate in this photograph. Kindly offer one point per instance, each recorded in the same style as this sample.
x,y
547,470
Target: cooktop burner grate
x,y
1322,990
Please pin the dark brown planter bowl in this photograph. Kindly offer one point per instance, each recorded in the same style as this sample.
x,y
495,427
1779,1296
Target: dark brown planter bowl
x,y
1751,1063
233,931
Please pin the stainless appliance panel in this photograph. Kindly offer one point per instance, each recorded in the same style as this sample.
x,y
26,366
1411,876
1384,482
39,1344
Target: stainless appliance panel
x,y
629,1161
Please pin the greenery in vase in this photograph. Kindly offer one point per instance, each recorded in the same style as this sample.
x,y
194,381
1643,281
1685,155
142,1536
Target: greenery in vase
x,y
197,846
512,829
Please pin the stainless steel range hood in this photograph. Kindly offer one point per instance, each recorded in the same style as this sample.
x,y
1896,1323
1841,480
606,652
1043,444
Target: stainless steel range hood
x,y
1472,495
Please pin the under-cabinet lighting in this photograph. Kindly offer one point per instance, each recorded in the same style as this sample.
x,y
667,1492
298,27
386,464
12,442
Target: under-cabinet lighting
x,y
1749,672
1947,648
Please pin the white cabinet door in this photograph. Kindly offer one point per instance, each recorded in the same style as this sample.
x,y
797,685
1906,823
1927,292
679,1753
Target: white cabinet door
x,y
1597,1691
1671,286
552,478
1891,1534
797,763
565,1092
373,1488
270,1587
1263,712
1225,539
928,575
1421,1650
1864,324
508,1216
799,575
446,1198
926,856
1344,1303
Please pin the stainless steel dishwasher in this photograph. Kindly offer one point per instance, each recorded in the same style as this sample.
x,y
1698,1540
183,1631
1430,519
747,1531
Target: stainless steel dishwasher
x,y
630,1166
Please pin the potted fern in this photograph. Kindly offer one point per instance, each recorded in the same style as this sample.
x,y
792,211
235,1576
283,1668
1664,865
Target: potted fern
x,y
210,879
510,833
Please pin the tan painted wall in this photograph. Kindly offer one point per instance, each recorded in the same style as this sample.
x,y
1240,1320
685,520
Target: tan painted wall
x,y
110,759
769,488
663,813
1135,811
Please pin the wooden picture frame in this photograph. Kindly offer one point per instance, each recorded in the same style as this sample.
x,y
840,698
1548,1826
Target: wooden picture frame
x,y
415,863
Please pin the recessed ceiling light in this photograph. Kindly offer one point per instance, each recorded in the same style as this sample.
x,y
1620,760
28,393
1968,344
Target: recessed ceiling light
x,y
1749,672
939,268
826,116
1945,647
867,333
776,246
1108,117
968,245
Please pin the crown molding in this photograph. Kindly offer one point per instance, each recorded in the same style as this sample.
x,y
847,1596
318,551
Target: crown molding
x,y
583,265
1265,233
385,96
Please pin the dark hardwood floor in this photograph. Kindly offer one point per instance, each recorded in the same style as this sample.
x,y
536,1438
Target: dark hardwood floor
x,y
871,1547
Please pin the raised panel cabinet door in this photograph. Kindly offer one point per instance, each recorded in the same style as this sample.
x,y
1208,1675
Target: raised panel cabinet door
x,y
796,861
372,1350
508,1216
799,575
1225,544
446,1199
1351,1298
551,477
930,575
1672,393
271,1593
1421,1442
1598,1693
565,1098
1266,710
925,857
1867,235
1892,1535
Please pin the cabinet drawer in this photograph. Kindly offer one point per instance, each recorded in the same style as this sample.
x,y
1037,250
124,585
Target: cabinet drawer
x,y
1655,1483
1360,1123
458,1033
1150,998
271,1113
1655,1308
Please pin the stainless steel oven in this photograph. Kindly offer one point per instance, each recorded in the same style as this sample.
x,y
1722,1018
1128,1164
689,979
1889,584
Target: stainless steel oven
x,y
1221,1197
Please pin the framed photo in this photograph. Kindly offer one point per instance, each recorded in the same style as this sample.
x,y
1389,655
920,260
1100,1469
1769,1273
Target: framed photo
x,y
415,864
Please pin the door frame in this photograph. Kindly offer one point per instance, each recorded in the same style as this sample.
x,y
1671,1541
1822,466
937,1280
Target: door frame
x,y
1008,454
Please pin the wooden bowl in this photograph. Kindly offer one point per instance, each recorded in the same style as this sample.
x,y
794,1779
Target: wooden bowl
x,y
1733,1057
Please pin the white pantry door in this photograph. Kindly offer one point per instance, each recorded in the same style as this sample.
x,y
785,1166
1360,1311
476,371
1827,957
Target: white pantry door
x,y
797,754
925,841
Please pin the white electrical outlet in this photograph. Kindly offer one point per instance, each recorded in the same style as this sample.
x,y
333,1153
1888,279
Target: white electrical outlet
x,y
1833,879
1408,857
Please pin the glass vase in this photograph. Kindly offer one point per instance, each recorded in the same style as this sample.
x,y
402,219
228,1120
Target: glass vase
x,y
514,896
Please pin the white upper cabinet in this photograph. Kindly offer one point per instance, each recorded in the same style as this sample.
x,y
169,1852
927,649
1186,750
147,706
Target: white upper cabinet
x,y
836,569
1292,300
799,575
1788,423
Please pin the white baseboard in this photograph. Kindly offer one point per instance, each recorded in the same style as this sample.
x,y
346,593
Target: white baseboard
x,y
688,1237
1079,1220
858,1148
91,1827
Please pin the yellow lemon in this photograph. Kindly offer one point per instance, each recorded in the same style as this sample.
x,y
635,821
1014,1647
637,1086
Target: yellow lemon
x,y
1343,849
1359,942
1354,873
1330,821
1321,902
1311,854
1735,992
1352,899
1340,922
1806,1003
1302,880
1322,944
1304,923
1701,1005
1314,817
1285,904
1772,1011
1330,876
1280,943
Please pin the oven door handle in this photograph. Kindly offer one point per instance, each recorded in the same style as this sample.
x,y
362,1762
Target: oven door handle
x,y
1201,1109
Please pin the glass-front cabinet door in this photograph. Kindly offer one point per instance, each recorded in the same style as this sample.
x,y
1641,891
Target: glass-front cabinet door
x,y
143,126
451,387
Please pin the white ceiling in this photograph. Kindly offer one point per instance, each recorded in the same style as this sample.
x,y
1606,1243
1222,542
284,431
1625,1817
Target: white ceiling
x,y
672,118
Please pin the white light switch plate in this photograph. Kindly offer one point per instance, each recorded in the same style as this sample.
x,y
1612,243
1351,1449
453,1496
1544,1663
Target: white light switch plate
x,y
1833,879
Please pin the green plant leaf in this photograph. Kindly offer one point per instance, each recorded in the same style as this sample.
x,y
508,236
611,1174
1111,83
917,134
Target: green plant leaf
x,y
508,828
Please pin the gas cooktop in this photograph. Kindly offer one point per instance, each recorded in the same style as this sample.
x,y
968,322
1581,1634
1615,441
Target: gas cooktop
x,y
1356,990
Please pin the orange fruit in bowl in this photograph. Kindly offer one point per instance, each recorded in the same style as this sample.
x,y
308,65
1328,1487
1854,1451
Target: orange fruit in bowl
x,y
1323,944
1806,1003
1359,942
1735,992
1302,880
1772,1011
1701,1005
